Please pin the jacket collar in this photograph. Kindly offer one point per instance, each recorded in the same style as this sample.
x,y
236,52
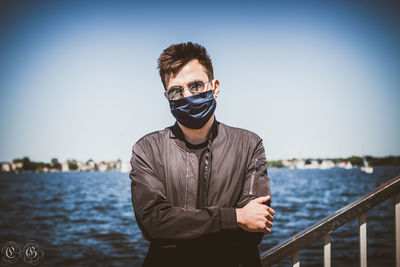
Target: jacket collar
x,y
176,131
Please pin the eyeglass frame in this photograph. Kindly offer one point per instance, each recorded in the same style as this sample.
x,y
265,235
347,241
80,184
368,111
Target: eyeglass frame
x,y
187,88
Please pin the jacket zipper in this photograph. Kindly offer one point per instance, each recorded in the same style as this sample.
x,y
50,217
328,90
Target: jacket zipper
x,y
187,175
207,172
252,177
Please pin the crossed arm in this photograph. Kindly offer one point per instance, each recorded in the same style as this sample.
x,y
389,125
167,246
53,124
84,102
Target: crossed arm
x,y
159,220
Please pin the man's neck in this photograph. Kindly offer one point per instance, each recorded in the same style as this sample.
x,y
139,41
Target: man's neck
x,y
197,136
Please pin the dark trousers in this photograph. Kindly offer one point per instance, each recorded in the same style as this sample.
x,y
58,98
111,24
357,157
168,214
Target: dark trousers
x,y
203,254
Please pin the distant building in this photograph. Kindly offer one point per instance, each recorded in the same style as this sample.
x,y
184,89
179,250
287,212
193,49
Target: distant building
x,y
287,163
64,167
102,167
5,167
348,165
345,165
326,164
16,166
125,167
91,164
299,164
311,164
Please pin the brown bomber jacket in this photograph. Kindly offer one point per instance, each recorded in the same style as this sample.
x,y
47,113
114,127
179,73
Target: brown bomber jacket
x,y
164,184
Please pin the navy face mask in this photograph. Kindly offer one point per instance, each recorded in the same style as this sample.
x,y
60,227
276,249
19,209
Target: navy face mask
x,y
194,111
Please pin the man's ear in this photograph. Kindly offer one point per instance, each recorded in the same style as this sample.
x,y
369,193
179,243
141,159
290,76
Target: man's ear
x,y
215,88
165,94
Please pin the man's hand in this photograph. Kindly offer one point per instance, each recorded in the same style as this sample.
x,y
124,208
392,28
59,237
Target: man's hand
x,y
255,216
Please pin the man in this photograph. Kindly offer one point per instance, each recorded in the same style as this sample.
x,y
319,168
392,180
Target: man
x,y
199,187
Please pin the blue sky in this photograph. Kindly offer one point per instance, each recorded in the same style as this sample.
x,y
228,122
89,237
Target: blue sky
x,y
79,80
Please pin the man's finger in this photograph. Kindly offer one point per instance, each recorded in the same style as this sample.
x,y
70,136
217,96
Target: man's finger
x,y
270,210
267,230
262,199
270,218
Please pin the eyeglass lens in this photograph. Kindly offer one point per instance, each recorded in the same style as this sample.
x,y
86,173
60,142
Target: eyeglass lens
x,y
177,92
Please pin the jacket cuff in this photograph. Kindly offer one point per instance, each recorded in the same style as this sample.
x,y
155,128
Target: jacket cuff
x,y
228,218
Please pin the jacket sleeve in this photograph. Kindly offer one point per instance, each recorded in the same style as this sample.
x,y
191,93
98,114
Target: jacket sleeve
x,y
157,218
256,184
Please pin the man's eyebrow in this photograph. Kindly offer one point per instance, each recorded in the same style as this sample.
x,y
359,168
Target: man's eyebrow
x,y
174,86
180,86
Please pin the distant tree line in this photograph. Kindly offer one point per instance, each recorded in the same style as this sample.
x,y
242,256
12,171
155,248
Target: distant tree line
x,y
28,165
275,163
385,161
354,160
25,164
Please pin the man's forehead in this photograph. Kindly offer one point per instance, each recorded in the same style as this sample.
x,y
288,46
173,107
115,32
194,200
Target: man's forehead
x,y
192,70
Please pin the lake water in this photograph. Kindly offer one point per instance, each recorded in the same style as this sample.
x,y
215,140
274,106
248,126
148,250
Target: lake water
x,y
86,218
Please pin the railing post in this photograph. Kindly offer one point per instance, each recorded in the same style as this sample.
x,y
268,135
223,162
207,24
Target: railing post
x,y
295,259
397,227
327,250
362,225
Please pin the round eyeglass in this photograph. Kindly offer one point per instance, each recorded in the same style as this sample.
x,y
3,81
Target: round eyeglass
x,y
195,87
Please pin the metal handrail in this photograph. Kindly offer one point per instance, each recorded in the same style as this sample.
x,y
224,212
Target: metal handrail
x,y
323,228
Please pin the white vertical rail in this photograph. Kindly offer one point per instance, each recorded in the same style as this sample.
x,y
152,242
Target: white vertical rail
x,y
327,250
362,224
295,259
397,227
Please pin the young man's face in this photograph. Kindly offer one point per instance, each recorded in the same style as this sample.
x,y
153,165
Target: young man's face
x,y
192,71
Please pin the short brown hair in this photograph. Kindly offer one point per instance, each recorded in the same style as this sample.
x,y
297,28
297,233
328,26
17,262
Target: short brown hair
x,y
176,56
